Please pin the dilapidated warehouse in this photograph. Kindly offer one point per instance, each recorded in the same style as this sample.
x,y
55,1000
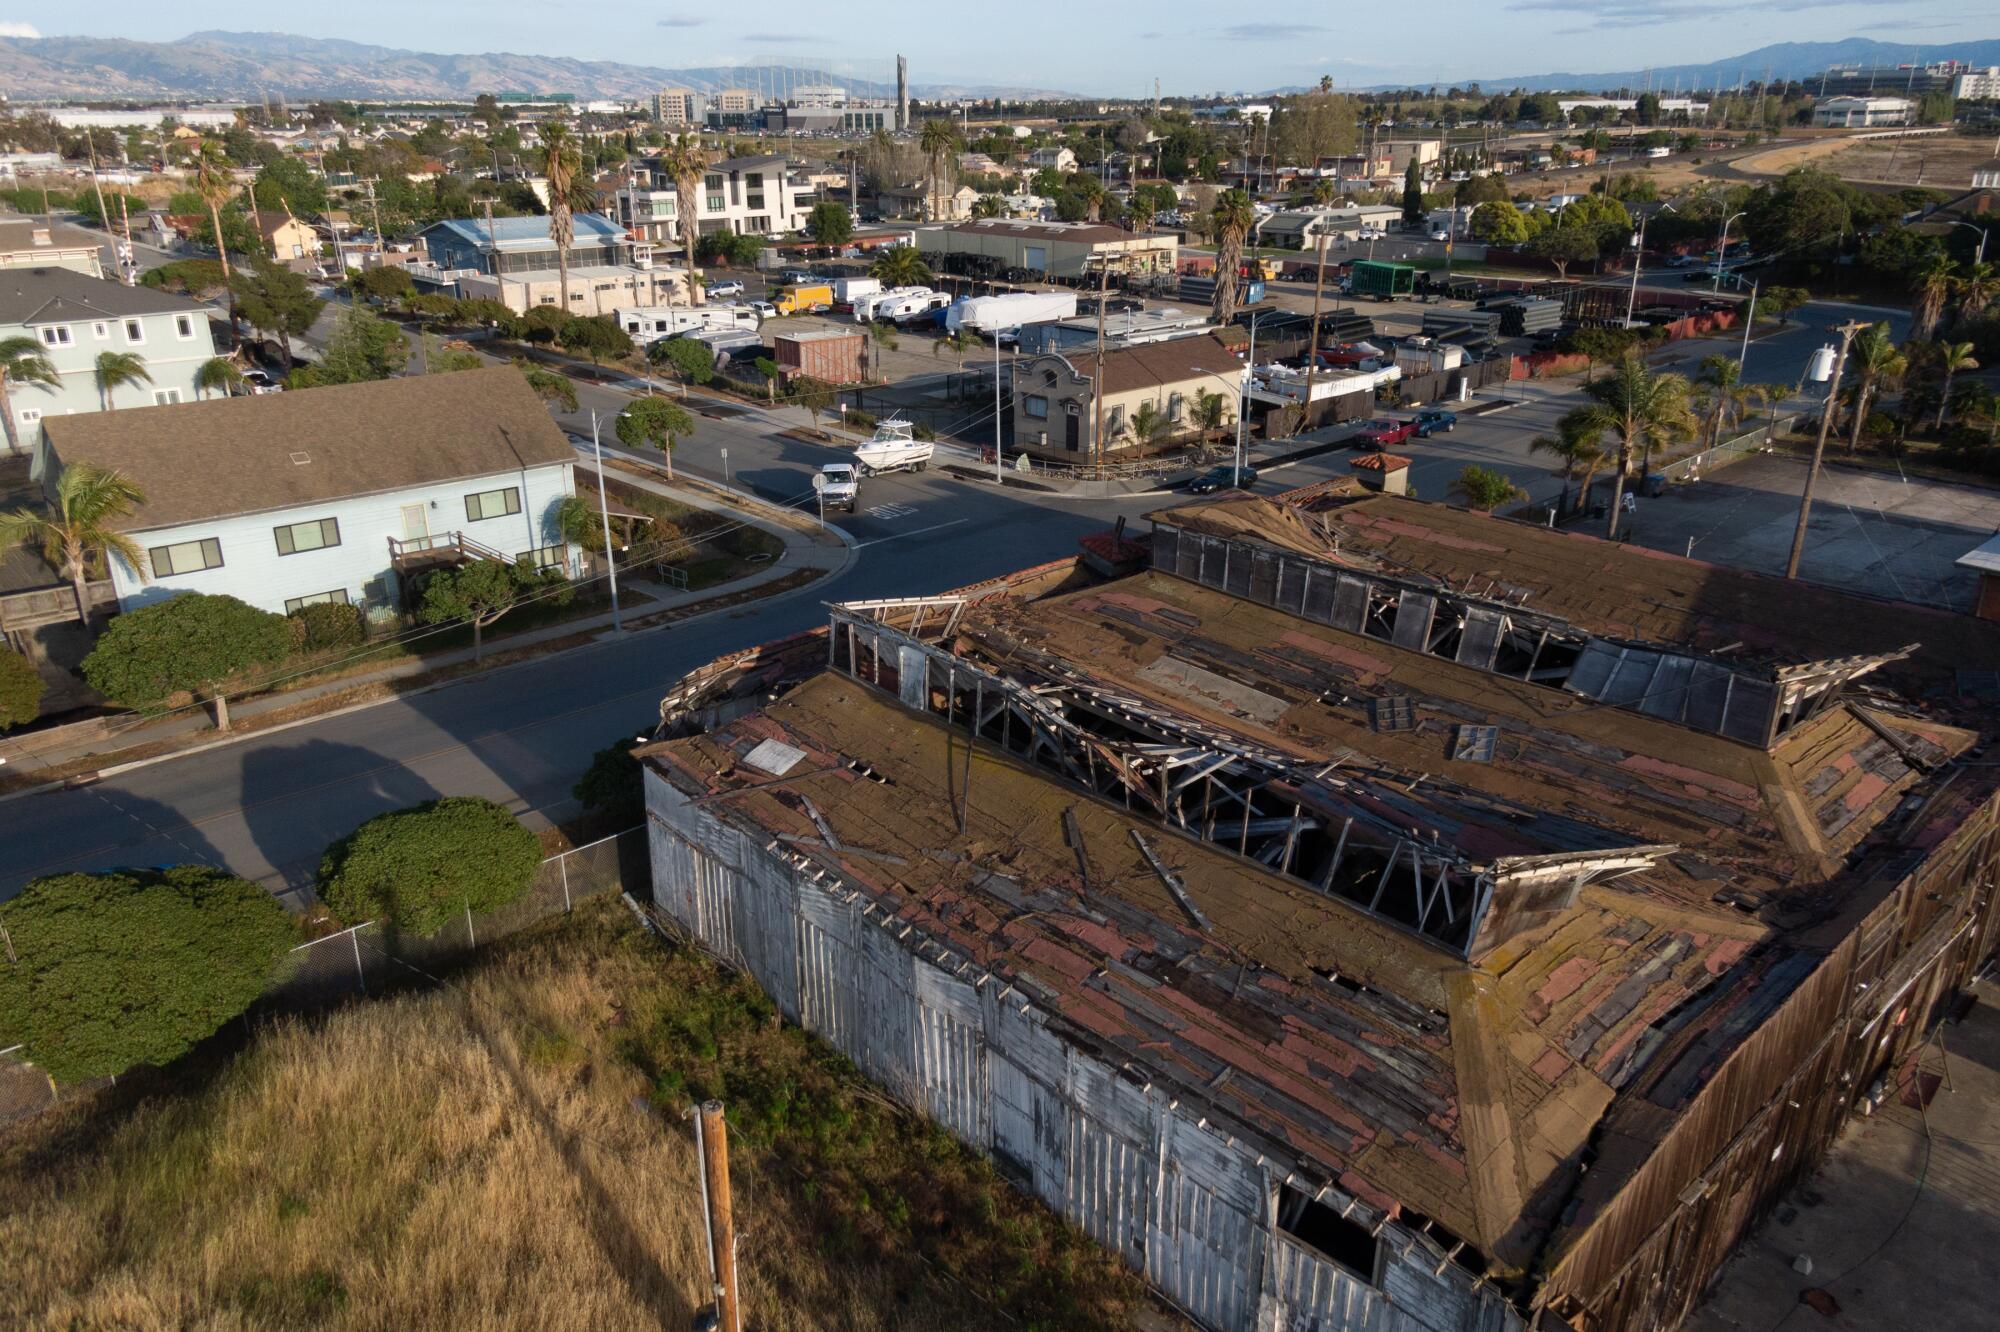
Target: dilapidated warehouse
x,y
1377,917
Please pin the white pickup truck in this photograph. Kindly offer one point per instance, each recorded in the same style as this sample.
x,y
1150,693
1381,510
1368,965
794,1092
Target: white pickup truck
x,y
839,486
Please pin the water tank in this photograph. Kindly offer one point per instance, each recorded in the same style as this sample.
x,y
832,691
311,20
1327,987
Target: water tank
x,y
1820,368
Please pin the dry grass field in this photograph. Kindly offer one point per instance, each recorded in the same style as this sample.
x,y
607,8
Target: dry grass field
x,y
511,1153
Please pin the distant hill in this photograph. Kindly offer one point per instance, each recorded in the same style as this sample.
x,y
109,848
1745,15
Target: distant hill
x,y
233,66
1785,60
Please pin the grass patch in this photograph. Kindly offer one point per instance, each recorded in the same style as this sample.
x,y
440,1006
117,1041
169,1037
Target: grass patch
x,y
510,1154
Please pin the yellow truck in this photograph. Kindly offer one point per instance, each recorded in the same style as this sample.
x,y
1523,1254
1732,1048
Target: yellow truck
x,y
810,298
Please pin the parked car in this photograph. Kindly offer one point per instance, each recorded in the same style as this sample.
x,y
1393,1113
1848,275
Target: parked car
x,y
729,287
1382,434
800,275
256,381
1440,234
1434,421
1225,477
764,309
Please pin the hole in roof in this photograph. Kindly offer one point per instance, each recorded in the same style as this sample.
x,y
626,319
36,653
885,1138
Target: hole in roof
x,y
301,459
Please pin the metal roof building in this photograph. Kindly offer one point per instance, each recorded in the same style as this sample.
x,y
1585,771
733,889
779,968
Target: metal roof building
x,y
1378,916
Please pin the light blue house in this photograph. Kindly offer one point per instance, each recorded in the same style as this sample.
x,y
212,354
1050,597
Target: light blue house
x,y
331,494
77,318
513,260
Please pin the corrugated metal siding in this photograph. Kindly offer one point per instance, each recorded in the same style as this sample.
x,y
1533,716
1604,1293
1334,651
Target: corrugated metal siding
x,y
826,960
951,1055
1306,1293
888,1015
1207,1244
1109,1180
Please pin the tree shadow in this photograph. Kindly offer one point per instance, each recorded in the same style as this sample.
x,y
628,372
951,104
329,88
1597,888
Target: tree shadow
x,y
126,831
332,790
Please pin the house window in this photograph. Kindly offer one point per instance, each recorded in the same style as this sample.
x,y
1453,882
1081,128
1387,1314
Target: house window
x,y
1176,407
546,557
30,415
135,332
100,330
184,327
1035,405
337,597
1114,421
185,557
166,397
315,535
1324,1230
56,335
492,504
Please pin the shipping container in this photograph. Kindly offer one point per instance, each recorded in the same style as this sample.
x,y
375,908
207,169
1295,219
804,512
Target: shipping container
x,y
833,357
1383,281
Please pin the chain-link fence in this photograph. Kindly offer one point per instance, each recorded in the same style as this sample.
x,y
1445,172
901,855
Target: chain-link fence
x,y
372,956
1754,440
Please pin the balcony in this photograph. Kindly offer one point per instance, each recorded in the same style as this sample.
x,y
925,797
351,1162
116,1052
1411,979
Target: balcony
x,y
21,611
442,549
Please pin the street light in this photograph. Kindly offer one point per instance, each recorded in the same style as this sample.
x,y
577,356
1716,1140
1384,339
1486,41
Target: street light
x,y
1978,255
1722,248
604,512
1639,262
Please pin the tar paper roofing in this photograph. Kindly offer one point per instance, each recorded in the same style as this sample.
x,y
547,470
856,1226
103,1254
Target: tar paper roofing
x,y
202,460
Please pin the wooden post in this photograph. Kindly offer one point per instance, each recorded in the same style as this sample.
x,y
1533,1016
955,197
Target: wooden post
x,y
721,1219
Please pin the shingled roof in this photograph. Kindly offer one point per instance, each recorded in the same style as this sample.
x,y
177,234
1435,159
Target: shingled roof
x,y
202,460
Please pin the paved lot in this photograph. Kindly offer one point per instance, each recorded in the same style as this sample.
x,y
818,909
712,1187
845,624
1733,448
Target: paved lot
x,y
1902,1225
1870,531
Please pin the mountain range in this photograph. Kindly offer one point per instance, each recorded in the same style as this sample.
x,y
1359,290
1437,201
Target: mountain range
x,y
234,66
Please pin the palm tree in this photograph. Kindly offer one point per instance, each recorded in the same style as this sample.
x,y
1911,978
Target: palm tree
x,y
1977,290
1576,442
1877,361
1933,287
938,140
1643,410
212,182
22,362
117,369
1210,412
1148,421
1231,219
75,538
686,161
1724,395
900,266
559,166
218,374
1324,191
1952,357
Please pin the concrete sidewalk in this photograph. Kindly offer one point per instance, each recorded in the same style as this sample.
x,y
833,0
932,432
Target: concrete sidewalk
x,y
827,551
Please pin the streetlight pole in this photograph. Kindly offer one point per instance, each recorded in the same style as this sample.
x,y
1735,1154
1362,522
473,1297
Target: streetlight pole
x,y
1243,402
1978,255
1722,249
1749,321
1639,262
999,465
604,513
1847,332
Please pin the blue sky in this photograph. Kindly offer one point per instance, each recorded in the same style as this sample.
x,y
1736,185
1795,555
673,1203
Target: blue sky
x,y
1083,45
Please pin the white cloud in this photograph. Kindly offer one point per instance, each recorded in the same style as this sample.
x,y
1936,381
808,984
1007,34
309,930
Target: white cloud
x,y
18,29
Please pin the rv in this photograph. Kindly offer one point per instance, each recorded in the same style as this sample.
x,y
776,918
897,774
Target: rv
x,y
648,324
868,302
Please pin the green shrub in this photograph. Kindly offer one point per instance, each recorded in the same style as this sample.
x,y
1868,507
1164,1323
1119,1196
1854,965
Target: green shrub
x,y
20,690
328,624
423,867
190,641
613,785
127,968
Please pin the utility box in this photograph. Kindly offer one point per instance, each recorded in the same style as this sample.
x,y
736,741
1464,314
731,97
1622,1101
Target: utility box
x,y
831,356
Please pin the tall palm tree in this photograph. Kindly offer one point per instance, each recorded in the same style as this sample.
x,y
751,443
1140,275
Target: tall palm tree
x,y
559,165
218,374
938,140
1231,220
1977,290
1324,191
1641,409
1724,395
22,362
685,161
900,266
117,369
1933,288
1952,357
212,182
1877,361
83,527
1577,443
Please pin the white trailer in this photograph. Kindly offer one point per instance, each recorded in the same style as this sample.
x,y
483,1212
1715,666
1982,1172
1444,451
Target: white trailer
x,y
648,324
866,304
905,309
994,315
849,290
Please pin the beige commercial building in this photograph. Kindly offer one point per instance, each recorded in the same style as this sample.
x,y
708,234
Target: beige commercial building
x,y
593,290
1056,249
1055,404
677,106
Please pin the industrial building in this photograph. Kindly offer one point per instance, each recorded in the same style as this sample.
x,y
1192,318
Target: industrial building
x,y
1368,914
1910,81
1861,112
1050,249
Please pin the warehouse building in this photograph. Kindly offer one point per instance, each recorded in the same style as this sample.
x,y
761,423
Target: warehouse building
x,y
1369,916
1050,249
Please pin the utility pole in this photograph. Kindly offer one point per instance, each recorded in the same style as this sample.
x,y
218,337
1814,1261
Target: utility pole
x,y
1097,378
128,262
999,455
1312,348
604,512
1847,332
1749,320
712,1139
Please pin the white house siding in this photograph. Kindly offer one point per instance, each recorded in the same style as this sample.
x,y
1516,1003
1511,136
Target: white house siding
x,y
170,359
253,570
1126,1162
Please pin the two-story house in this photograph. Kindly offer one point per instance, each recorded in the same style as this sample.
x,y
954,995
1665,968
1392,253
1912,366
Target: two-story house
x,y
759,196
30,242
77,319
331,494
513,260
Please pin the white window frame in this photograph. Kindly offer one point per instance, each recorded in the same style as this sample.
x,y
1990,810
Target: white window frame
x,y
166,397
30,415
184,327
100,330
132,326
57,335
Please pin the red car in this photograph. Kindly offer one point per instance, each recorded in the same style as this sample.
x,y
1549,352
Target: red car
x,y
1383,434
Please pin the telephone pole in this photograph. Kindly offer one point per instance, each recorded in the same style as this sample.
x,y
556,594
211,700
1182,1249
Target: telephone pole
x,y
1097,376
1847,332
712,1137
1312,348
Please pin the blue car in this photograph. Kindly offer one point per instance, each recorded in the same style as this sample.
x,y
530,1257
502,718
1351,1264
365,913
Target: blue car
x,y
1434,421
1225,477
